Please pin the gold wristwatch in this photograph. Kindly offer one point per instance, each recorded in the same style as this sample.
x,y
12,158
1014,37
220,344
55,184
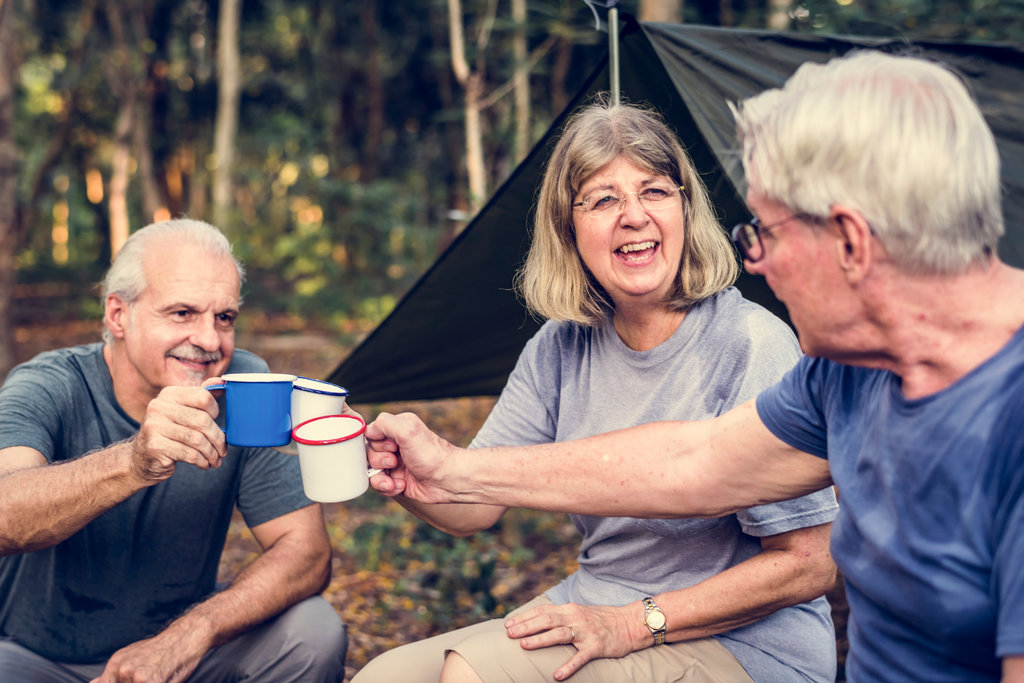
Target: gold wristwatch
x,y
654,619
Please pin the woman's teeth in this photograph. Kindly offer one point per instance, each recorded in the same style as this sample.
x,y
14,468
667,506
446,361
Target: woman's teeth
x,y
639,246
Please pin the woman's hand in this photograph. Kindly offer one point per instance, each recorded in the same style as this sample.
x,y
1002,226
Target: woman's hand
x,y
595,630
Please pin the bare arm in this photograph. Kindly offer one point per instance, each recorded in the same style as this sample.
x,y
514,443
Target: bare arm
x,y
294,564
1013,669
42,504
664,469
458,519
792,568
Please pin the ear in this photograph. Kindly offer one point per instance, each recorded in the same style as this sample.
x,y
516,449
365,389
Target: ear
x,y
856,241
115,315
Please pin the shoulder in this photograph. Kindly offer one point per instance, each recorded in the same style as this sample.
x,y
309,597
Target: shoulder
x,y
74,363
556,339
745,334
732,313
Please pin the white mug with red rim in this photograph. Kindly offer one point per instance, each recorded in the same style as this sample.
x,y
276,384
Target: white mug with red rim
x,y
332,457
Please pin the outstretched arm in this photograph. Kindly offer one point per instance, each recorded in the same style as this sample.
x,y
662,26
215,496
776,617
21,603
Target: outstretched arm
x,y
43,504
294,564
663,469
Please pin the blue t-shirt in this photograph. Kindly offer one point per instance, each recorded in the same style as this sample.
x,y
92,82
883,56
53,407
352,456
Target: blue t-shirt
x,y
572,381
930,534
133,569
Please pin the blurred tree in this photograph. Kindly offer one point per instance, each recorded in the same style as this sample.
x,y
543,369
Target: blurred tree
x,y
670,11
472,81
228,95
8,182
350,167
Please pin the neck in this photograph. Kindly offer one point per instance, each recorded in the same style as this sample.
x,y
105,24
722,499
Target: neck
x,y
132,397
933,330
641,329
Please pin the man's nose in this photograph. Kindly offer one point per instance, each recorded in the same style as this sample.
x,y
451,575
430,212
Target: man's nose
x,y
204,334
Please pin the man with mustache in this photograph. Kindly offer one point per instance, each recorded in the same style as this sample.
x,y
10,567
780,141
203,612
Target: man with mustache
x,y
117,489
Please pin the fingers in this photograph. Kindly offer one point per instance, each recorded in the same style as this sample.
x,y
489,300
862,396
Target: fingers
x,y
548,633
178,427
394,428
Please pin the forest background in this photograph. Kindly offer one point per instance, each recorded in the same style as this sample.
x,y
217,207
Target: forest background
x,y
341,146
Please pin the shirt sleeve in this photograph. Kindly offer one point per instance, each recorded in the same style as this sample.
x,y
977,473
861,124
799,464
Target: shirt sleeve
x,y
526,411
1008,532
33,408
792,409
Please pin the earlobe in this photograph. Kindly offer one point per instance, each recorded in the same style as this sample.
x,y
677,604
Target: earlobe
x,y
854,242
114,315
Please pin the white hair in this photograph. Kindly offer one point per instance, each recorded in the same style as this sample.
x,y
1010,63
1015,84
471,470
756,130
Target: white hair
x,y
127,275
897,138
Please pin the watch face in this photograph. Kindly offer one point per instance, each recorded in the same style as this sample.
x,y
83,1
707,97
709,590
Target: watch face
x,y
656,620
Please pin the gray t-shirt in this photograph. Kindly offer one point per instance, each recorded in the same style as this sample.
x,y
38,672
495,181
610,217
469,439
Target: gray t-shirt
x,y
130,571
572,381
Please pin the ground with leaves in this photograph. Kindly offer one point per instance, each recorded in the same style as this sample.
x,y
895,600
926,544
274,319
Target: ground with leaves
x,y
395,579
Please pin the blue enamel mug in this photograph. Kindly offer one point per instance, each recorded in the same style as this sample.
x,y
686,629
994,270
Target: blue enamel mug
x,y
257,408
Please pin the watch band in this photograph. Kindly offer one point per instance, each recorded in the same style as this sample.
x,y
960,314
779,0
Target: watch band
x,y
654,620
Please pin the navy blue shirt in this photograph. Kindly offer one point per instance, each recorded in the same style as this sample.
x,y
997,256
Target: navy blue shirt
x,y
930,534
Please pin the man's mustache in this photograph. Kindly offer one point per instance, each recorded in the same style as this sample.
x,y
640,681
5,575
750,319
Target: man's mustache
x,y
195,354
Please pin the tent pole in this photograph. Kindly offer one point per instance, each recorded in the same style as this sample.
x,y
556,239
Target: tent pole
x,y
613,49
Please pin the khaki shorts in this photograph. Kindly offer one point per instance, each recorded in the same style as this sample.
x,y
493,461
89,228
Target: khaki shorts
x,y
496,657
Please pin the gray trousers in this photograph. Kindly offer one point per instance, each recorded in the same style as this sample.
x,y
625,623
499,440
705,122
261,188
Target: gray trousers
x,y
307,642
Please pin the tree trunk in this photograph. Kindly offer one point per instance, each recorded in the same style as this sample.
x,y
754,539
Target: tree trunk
x,y
778,14
670,11
473,83
374,128
522,82
8,184
228,94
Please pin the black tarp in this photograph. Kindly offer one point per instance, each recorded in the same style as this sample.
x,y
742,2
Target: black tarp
x,y
460,328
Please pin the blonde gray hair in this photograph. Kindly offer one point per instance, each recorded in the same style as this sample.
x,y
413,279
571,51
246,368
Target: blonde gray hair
x,y
897,138
554,282
127,275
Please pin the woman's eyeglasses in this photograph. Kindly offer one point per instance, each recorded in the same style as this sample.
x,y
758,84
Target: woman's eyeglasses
x,y
650,198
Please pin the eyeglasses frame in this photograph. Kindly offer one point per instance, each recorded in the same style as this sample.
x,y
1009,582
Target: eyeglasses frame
x,y
622,200
754,225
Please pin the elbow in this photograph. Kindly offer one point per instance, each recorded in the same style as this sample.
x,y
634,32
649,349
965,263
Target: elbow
x,y
819,577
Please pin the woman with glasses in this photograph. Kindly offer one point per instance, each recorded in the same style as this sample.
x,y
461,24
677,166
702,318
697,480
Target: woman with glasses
x,y
633,272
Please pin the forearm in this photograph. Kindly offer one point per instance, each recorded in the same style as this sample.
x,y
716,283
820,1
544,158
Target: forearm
x,y
743,594
42,505
646,471
284,574
457,519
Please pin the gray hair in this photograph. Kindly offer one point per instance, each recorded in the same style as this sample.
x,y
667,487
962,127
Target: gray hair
x,y
897,138
127,275
554,282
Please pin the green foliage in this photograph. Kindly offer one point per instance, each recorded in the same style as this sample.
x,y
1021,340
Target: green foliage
x,y
453,574
350,142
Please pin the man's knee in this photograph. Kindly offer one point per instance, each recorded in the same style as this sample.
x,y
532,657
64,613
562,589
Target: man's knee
x,y
306,642
315,633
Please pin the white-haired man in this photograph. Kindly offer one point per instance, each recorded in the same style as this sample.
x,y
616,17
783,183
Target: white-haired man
x,y
117,489
875,182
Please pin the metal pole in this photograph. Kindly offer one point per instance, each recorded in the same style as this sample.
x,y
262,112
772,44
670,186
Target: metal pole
x,y
613,49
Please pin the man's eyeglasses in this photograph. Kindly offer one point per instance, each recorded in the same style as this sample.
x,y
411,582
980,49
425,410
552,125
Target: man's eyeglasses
x,y
651,199
747,236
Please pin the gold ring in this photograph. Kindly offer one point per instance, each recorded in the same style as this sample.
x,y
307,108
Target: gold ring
x,y
572,635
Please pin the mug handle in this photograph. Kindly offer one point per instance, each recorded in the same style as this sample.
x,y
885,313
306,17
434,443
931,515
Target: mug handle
x,y
370,472
215,387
